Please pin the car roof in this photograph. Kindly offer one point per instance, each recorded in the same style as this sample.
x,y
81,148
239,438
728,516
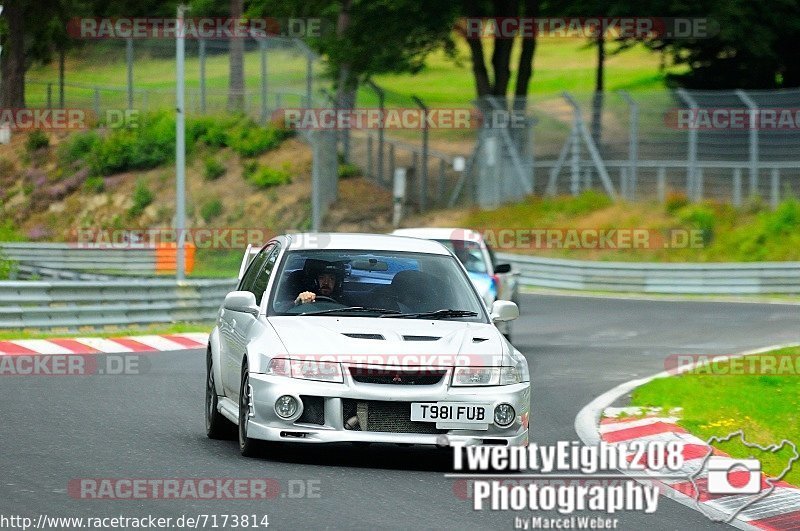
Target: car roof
x,y
441,234
362,242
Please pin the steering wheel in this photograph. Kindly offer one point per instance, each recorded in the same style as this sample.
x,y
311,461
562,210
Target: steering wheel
x,y
325,299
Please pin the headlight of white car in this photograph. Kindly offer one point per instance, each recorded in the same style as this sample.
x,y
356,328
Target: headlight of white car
x,y
484,376
323,371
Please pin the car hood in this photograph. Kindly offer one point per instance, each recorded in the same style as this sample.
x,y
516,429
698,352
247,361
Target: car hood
x,y
473,343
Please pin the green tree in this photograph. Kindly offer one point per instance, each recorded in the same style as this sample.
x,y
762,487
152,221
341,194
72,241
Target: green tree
x,y
749,45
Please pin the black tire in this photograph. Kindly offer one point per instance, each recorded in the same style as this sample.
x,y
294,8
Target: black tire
x,y
249,447
217,426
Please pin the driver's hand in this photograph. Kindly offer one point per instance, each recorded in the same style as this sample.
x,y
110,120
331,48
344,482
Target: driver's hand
x,y
306,296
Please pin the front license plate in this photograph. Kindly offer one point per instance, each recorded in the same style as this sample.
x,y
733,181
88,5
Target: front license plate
x,y
450,412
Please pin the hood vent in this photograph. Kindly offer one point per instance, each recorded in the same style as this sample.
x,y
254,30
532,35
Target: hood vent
x,y
364,336
421,338
479,339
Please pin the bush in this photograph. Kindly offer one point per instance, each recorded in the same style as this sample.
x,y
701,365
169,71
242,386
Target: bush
x,y
78,147
266,177
213,169
9,233
699,217
140,148
786,218
211,209
94,184
249,140
142,197
348,170
675,201
211,131
37,139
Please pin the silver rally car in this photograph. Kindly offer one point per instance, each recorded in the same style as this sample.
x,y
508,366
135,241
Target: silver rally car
x,y
362,338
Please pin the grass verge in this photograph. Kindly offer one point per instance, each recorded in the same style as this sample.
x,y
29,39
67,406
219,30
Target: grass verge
x,y
758,394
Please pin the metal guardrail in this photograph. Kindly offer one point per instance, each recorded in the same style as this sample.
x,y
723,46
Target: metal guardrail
x,y
93,303
675,278
34,272
128,259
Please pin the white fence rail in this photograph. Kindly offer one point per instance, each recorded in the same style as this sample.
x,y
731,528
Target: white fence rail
x,y
676,278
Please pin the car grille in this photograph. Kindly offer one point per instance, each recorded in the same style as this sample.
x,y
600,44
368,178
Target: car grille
x,y
313,410
391,417
397,377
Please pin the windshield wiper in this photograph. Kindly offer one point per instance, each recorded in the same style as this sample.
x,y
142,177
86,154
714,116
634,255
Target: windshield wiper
x,y
354,309
438,313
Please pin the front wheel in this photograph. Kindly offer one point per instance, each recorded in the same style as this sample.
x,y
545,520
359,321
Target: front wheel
x,y
217,426
248,446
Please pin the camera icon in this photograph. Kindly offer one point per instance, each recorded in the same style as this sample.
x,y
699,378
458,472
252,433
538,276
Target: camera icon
x,y
734,476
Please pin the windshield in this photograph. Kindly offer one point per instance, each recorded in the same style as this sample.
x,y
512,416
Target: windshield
x,y
374,284
468,252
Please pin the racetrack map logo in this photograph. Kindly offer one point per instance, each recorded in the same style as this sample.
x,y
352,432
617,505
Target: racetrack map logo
x,y
739,480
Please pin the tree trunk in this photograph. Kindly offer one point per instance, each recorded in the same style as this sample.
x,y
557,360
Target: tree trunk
x,y
61,59
597,101
525,68
345,83
13,57
482,84
524,74
236,83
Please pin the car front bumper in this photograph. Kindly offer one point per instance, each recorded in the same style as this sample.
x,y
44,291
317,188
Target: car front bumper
x,y
334,399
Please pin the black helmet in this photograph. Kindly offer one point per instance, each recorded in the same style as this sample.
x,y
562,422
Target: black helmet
x,y
313,268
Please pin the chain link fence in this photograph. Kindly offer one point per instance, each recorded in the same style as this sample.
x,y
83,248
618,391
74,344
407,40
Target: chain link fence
x,y
278,73
722,145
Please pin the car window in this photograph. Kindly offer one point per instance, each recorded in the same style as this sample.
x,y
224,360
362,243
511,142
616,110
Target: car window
x,y
468,252
492,257
401,282
262,279
254,268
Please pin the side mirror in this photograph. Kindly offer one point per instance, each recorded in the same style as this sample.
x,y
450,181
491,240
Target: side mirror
x,y
502,268
241,301
504,311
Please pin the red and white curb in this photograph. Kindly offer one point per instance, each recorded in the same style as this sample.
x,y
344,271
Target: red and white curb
x,y
96,345
780,510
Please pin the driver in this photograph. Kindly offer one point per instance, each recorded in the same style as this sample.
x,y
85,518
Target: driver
x,y
327,285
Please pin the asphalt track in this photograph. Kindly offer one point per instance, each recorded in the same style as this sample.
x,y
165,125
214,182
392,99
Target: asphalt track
x,y
57,429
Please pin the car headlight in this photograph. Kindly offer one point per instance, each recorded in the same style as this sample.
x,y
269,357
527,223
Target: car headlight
x,y
484,376
323,371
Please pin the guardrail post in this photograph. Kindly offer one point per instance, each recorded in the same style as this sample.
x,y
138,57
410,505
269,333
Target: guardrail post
x,y
691,156
575,161
392,160
129,65
623,181
381,128
423,175
633,144
262,44
699,185
661,184
753,143
775,181
370,174
440,180
96,102
309,78
201,53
